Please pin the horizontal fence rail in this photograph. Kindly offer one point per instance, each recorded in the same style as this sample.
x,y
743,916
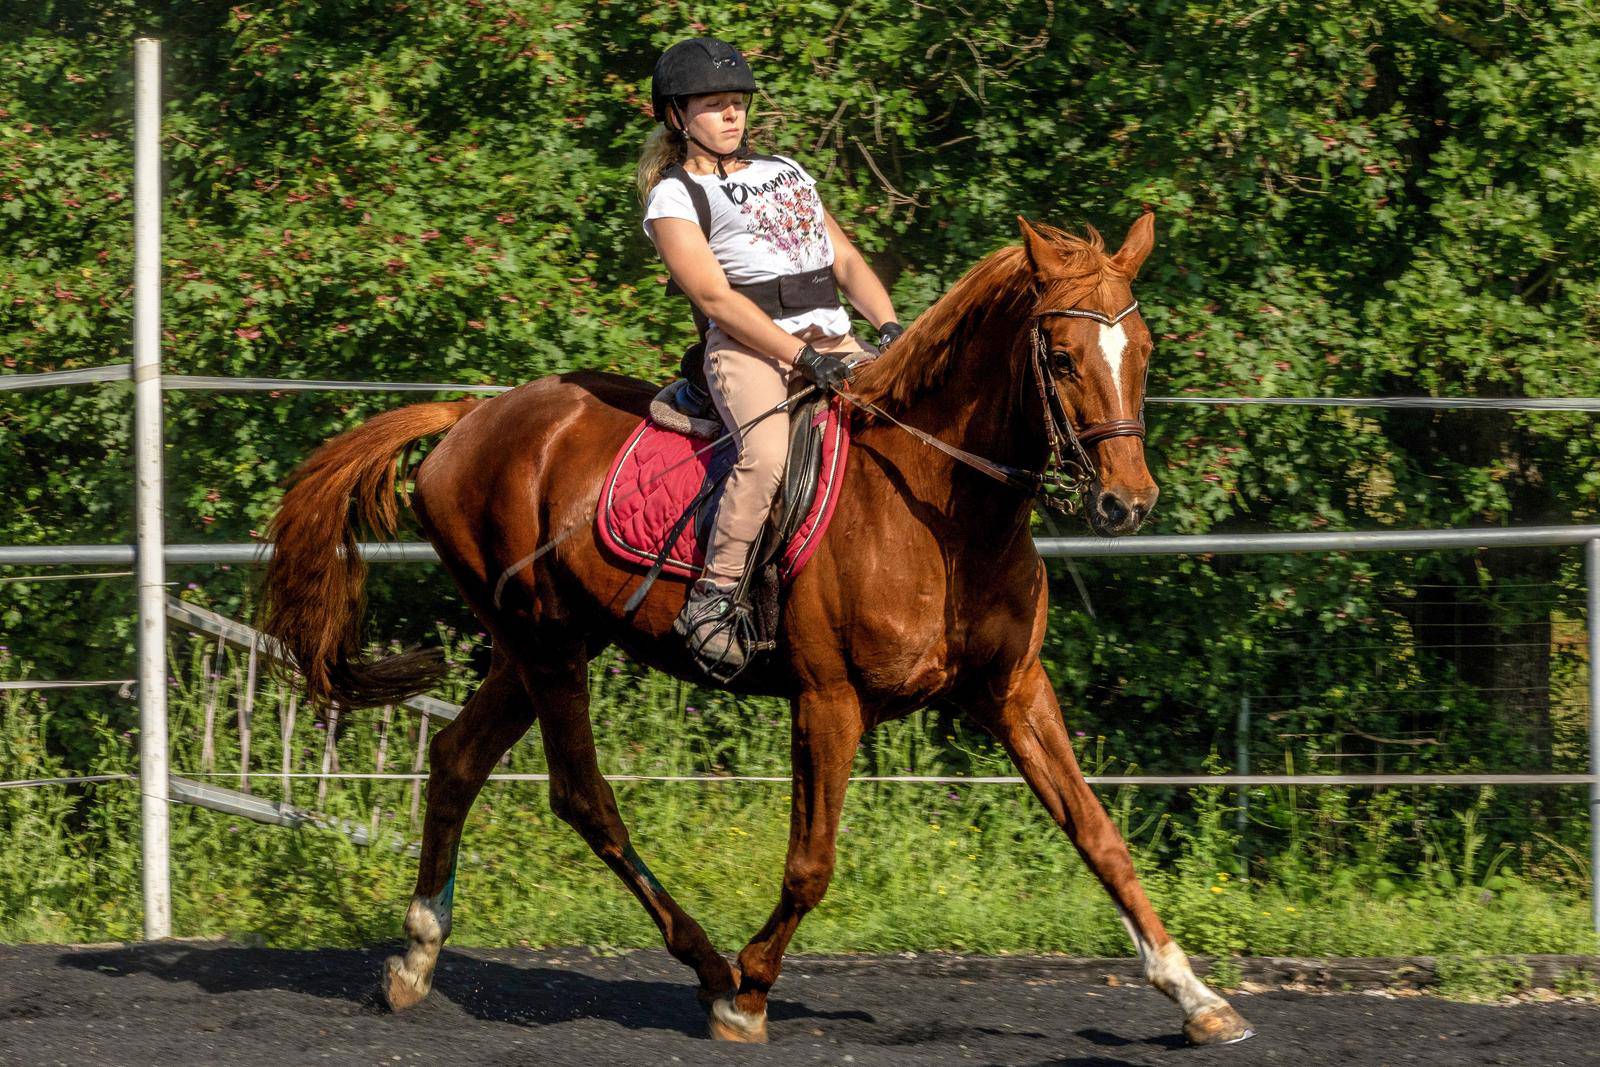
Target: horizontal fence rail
x,y
1136,780
1075,547
221,383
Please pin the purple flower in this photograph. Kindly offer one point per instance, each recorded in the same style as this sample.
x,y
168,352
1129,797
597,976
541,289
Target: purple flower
x,y
192,585
1077,733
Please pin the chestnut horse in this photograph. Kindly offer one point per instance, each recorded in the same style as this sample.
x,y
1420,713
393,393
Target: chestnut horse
x,y
928,588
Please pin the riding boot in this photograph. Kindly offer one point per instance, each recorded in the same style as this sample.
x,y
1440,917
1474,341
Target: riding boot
x,y
710,623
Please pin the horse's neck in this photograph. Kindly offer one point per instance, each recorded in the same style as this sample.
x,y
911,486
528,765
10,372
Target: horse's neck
x,y
986,405
982,407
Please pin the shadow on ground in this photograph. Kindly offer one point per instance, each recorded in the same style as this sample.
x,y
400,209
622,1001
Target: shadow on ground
x,y
486,989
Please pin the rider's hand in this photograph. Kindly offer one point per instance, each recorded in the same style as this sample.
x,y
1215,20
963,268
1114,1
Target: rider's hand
x,y
887,333
819,368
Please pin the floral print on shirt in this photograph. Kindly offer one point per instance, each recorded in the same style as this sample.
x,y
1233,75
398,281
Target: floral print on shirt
x,y
788,219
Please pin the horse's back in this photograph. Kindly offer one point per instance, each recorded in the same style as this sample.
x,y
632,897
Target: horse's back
x,y
559,413
530,457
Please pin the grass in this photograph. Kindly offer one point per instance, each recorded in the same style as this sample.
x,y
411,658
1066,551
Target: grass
x,y
974,869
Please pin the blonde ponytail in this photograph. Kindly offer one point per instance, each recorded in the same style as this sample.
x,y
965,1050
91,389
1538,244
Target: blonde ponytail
x,y
662,149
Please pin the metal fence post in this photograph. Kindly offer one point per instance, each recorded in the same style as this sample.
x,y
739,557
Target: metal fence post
x,y
1593,623
150,559
1241,765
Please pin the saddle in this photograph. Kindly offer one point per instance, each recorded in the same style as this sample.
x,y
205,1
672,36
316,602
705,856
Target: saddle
x,y
659,499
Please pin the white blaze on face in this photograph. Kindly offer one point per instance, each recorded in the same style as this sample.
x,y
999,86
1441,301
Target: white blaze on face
x,y
1113,343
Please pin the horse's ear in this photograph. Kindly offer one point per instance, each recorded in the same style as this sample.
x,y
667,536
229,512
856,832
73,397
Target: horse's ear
x,y
1137,245
1042,255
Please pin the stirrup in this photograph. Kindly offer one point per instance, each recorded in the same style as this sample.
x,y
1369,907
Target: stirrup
x,y
718,632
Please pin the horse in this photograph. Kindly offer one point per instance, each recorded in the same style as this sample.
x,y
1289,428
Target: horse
x,y
927,588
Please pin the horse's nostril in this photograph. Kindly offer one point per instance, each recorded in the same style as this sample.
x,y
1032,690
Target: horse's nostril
x,y
1111,509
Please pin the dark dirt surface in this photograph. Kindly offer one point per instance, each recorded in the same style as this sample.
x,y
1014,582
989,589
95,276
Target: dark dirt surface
x,y
201,1003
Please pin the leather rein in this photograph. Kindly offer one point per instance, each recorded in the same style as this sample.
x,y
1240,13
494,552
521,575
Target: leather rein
x,y
1069,447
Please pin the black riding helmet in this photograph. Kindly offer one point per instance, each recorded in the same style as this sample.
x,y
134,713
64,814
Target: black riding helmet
x,y
692,68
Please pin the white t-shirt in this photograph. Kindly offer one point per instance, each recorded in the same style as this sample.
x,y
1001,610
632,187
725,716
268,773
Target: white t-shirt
x,y
766,221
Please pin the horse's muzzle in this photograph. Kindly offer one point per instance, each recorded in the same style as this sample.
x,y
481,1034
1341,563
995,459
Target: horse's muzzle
x,y
1115,512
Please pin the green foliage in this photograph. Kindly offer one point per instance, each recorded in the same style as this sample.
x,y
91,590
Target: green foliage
x,y
978,868
1352,198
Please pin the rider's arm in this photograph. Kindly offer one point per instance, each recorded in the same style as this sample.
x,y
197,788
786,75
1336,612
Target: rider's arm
x,y
857,278
692,265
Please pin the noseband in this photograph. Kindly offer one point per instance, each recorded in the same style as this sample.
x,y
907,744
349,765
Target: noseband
x,y
1069,447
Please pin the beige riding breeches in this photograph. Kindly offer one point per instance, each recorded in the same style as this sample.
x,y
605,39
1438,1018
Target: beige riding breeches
x,y
743,385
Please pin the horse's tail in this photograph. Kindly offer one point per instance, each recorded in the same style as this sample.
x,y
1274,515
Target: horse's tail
x,y
312,599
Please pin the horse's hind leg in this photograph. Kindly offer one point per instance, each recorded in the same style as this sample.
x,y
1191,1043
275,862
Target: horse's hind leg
x,y
460,758
581,796
1025,717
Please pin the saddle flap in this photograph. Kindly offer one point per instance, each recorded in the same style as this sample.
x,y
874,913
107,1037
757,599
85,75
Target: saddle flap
x,y
801,473
657,474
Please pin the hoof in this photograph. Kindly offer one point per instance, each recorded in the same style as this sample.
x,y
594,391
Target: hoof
x,y
1220,1025
728,1023
399,992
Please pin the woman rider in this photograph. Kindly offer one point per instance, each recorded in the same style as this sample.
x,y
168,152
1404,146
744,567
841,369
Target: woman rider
x,y
763,279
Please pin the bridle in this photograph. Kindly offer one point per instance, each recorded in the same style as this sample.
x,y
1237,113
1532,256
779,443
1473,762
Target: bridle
x,y
1069,448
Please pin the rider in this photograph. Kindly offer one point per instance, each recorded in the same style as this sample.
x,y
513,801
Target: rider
x,y
761,273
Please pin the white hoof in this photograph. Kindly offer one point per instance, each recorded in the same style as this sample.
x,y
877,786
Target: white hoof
x,y
728,1023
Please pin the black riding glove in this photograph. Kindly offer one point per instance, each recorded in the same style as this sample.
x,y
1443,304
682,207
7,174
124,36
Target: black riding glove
x,y
819,368
887,333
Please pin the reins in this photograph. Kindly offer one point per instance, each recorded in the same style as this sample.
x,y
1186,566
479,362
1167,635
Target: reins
x,y
1017,477
1069,447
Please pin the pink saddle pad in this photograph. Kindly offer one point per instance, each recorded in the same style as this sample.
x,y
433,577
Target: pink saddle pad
x,y
658,472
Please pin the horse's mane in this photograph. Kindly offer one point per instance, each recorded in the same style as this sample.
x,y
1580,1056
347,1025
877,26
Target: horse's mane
x,y
999,286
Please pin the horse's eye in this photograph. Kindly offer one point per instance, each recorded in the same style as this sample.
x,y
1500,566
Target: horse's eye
x,y
1061,361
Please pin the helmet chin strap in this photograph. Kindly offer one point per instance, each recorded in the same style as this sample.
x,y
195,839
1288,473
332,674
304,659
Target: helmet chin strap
x,y
722,157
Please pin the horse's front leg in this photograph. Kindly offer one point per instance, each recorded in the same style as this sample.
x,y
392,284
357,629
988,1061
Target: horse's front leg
x,y
826,731
1023,713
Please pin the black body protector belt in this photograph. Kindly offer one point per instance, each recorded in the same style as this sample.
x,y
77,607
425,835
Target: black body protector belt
x,y
780,297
